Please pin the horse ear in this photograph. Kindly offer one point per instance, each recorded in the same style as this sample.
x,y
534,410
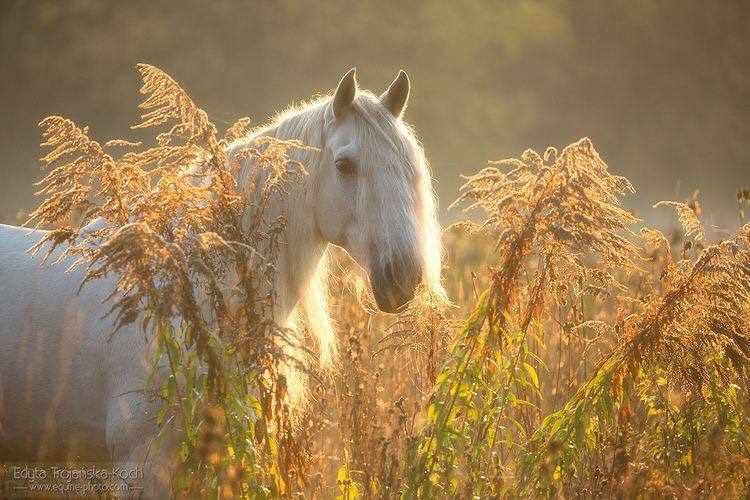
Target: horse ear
x,y
344,95
397,95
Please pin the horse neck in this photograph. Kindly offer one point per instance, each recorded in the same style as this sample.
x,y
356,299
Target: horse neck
x,y
300,255
298,261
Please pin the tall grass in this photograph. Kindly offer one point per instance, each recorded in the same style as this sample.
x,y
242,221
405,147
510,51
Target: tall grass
x,y
579,358
183,241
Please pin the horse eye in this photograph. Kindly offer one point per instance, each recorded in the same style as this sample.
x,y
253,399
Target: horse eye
x,y
346,166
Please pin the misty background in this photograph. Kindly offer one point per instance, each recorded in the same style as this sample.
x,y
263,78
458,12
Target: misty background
x,y
661,87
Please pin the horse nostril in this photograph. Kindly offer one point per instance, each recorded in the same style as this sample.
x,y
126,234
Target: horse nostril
x,y
392,273
403,276
394,283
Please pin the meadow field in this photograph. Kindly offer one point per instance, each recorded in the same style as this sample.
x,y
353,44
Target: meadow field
x,y
577,359
579,353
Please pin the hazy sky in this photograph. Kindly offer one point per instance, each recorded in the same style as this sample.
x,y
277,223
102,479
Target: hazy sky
x,y
661,87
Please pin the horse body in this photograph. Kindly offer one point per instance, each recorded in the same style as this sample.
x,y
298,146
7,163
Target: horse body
x,y
69,392
53,364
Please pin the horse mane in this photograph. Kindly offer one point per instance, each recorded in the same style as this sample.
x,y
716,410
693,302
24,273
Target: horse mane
x,y
403,156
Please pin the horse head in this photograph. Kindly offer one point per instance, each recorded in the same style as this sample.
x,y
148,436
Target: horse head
x,y
374,195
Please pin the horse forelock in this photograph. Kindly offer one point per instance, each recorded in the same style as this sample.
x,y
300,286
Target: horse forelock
x,y
401,197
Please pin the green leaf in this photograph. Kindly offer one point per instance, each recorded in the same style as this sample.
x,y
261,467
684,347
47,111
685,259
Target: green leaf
x,y
532,373
349,488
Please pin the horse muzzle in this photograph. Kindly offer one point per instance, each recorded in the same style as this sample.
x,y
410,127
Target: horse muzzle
x,y
394,284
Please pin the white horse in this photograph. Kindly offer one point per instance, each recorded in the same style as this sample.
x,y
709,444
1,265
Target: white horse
x,y
67,393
